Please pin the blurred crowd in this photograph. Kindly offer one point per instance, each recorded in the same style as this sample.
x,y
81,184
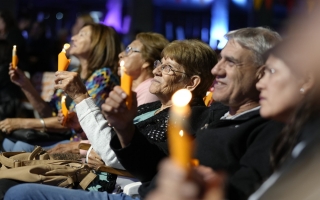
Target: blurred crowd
x,y
257,138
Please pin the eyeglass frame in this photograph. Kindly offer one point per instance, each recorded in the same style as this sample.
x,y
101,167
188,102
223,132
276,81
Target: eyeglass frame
x,y
158,63
129,49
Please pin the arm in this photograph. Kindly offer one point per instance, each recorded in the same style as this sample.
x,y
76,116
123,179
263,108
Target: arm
x,y
17,77
141,157
51,124
97,131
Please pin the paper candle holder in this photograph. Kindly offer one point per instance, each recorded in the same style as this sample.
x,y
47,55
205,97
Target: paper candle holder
x,y
14,57
180,142
64,110
63,61
126,84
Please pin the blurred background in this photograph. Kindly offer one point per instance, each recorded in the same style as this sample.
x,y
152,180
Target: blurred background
x,y
207,20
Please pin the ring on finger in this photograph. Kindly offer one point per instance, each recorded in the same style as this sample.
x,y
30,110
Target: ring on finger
x,y
4,130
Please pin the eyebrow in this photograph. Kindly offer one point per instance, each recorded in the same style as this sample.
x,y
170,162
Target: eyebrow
x,y
233,59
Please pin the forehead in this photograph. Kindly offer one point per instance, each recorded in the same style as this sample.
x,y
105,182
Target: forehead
x,y
136,44
234,49
86,29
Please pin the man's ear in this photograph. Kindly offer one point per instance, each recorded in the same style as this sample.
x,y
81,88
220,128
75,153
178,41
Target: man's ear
x,y
193,83
308,83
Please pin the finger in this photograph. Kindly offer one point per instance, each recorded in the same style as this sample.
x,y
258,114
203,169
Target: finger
x,y
116,96
119,91
106,109
112,105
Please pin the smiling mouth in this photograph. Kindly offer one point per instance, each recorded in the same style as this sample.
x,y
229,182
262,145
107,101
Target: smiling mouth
x,y
218,84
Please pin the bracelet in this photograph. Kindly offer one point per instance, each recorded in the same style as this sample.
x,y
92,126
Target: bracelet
x,y
44,128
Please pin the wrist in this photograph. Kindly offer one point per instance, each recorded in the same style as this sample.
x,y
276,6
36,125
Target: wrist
x,y
44,128
78,98
125,135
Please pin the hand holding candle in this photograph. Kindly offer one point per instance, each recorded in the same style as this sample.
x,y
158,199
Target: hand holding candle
x,y
14,57
63,62
180,142
64,110
126,84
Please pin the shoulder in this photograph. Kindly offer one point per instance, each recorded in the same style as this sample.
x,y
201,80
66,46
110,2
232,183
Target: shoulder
x,y
148,107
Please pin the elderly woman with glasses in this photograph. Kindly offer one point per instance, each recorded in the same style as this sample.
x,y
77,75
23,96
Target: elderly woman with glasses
x,y
138,59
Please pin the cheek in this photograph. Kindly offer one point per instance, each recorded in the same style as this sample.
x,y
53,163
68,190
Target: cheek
x,y
281,103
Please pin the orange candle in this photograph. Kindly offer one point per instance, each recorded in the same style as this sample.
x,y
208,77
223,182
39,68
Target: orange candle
x,y
180,142
64,110
208,98
126,84
63,62
14,57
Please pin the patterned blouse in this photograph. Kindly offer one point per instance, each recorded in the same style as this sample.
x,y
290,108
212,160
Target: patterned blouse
x,y
98,85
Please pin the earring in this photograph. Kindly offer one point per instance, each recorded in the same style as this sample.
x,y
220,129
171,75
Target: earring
x,y
302,90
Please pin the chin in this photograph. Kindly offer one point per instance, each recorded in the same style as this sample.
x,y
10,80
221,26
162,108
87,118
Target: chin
x,y
265,114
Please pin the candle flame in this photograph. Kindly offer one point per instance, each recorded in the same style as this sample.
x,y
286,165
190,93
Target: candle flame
x,y
66,46
122,68
122,63
63,99
14,47
181,133
181,97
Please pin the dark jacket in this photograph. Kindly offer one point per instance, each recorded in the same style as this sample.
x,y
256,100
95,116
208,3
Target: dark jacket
x,y
229,145
241,147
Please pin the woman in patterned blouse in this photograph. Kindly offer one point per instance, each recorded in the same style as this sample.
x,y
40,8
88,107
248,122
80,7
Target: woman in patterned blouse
x,y
97,47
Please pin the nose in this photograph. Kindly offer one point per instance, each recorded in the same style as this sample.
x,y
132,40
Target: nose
x,y
218,69
121,55
156,71
261,84
73,38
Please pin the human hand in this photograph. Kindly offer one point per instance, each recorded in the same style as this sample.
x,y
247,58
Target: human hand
x,y
72,120
10,124
71,147
177,184
18,77
94,160
115,110
71,84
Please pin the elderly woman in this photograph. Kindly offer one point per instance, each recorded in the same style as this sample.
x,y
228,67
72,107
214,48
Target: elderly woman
x,y
184,64
95,75
139,58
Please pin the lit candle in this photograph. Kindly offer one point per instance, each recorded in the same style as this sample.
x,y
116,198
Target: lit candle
x,y
64,110
208,98
126,84
63,62
14,57
180,142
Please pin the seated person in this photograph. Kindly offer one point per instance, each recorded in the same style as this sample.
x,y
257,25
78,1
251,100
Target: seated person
x,y
10,94
185,64
139,58
288,95
96,70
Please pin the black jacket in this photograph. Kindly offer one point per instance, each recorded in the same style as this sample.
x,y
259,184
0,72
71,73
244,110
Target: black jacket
x,y
240,147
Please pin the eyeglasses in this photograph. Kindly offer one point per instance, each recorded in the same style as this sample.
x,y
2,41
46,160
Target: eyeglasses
x,y
129,49
164,68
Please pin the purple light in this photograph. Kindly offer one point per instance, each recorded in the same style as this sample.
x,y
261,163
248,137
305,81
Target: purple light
x,y
114,16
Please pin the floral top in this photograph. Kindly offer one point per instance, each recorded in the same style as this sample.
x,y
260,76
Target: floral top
x,y
98,85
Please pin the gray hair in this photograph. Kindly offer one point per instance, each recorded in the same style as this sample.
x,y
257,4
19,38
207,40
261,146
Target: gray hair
x,y
258,40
